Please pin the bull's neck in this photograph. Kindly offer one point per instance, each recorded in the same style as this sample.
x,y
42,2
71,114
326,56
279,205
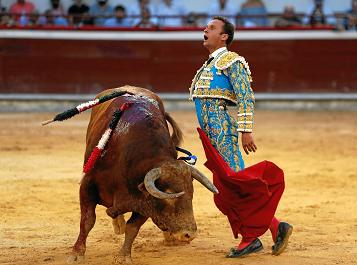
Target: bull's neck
x,y
144,207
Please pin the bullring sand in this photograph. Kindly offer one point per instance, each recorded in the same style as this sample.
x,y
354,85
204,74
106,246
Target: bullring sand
x,y
41,168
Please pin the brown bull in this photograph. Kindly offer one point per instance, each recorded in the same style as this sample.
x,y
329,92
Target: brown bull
x,y
138,172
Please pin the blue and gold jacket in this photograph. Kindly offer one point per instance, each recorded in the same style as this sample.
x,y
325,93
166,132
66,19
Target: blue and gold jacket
x,y
227,77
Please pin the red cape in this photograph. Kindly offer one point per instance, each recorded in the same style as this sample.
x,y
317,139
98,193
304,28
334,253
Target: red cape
x,y
248,198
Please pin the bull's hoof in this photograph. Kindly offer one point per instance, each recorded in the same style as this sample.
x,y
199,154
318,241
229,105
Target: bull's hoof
x,y
74,258
122,260
119,225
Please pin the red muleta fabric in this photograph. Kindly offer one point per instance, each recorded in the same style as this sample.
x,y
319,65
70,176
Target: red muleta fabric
x,y
248,198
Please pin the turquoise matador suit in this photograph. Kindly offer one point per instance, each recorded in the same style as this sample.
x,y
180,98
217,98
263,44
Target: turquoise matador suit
x,y
222,81
248,196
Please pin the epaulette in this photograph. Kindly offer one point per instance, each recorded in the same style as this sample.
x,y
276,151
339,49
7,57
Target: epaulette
x,y
228,58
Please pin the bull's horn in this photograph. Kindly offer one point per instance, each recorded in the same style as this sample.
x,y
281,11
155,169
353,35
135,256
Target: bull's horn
x,y
149,183
196,174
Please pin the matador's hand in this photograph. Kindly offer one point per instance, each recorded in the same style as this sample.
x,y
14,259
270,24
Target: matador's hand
x,y
248,142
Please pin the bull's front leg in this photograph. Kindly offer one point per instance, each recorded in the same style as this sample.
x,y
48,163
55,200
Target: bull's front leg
x,y
131,231
119,225
117,216
88,202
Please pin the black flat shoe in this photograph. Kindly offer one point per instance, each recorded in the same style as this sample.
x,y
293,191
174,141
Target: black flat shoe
x,y
282,238
253,247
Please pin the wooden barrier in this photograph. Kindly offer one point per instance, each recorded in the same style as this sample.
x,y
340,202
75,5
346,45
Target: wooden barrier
x,y
45,61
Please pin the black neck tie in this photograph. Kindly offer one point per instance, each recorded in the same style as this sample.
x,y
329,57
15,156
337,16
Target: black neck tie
x,y
209,60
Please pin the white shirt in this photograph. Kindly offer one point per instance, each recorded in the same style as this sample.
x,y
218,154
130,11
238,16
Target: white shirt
x,y
176,9
216,52
134,10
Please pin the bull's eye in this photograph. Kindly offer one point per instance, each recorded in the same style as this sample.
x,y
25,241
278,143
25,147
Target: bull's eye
x,y
169,191
166,188
162,186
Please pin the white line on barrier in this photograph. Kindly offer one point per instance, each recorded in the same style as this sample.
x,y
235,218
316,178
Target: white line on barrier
x,y
184,96
174,35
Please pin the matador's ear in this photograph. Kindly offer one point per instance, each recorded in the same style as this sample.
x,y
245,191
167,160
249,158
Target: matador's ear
x,y
224,37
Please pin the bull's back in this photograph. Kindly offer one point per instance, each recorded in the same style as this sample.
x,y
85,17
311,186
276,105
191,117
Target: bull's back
x,y
131,89
142,125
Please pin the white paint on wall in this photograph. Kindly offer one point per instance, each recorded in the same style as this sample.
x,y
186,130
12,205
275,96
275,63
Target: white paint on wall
x,y
174,35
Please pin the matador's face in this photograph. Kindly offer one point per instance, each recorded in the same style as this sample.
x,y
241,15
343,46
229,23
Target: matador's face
x,y
214,37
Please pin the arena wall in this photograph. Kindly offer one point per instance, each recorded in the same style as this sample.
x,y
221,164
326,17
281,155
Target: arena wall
x,y
77,62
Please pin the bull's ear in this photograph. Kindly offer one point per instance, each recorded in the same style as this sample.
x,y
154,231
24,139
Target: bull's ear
x,y
142,188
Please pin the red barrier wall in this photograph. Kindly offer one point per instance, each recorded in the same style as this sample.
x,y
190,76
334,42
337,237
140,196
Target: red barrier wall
x,y
89,65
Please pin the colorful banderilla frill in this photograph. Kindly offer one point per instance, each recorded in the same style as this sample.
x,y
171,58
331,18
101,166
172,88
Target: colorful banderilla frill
x,y
97,151
84,106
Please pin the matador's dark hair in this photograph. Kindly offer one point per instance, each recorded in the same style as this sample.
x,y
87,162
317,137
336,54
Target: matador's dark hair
x,y
228,28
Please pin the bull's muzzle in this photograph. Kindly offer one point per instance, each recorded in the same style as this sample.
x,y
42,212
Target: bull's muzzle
x,y
179,238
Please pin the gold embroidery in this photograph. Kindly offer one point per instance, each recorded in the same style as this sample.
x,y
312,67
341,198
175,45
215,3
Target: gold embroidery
x,y
206,75
215,93
245,118
228,58
243,87
245,127
245,109
194,81
203,83
205,117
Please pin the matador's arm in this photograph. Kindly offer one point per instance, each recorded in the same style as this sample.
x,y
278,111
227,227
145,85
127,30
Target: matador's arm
x,y
240,80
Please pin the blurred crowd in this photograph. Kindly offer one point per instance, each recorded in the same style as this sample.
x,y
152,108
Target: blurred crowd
x,y
170,13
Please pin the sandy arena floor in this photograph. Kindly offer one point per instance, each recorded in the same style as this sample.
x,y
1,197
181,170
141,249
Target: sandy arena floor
x,y
40,168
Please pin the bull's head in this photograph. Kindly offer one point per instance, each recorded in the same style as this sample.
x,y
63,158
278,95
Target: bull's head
x,y
156,173
172,189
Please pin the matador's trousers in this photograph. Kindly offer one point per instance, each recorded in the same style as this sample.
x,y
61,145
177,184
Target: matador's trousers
x,y
221,129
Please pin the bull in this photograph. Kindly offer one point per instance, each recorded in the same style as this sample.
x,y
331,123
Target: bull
x,y
138,173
